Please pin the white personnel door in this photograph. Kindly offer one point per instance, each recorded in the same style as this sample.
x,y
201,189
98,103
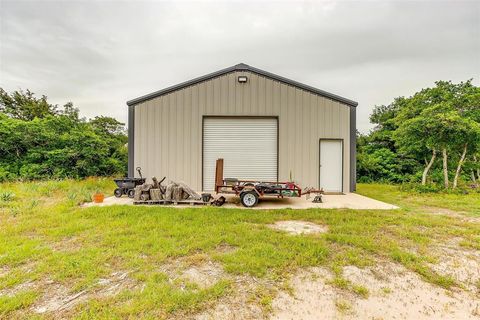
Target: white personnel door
x,y
331,165
247,145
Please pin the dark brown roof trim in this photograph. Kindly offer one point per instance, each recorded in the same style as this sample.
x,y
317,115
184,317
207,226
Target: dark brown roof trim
x,y
242,67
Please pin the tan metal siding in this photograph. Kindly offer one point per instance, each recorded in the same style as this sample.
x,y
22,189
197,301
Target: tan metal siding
x,y
168,129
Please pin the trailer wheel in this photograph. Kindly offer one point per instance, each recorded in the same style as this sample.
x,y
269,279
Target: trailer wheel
x,y
118,192
131,193
249,199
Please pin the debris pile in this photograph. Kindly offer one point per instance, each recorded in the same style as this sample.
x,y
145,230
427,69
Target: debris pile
x,y
173,192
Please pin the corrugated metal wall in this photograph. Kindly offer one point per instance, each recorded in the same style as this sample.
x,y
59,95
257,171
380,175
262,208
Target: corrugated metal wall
x,y
168,129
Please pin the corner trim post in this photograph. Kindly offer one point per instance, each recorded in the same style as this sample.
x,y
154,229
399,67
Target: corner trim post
x,y
353,149
131,141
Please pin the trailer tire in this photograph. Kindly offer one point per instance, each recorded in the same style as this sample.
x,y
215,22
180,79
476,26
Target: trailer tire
x,y
118,193
249,199
131,193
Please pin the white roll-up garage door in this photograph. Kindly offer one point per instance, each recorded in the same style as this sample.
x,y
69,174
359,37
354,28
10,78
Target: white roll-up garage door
x,y
247,145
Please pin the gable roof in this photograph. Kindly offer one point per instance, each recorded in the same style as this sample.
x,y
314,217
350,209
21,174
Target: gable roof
x,y
242,67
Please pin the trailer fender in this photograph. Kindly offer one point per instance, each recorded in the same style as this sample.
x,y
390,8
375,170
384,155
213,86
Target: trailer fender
x,y
248,189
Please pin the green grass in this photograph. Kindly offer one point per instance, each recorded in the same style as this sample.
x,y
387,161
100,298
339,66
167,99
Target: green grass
x,y
17,302
361,291
468,204
43,230
343,306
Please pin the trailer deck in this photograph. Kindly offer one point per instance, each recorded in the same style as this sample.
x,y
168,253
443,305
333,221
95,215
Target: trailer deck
x,y
251,191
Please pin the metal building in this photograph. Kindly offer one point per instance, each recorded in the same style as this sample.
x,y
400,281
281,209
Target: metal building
x,y
264,126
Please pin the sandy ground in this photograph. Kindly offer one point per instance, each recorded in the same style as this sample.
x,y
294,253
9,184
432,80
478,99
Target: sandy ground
x,y
238,304
462,264
297,227
394,293
349,201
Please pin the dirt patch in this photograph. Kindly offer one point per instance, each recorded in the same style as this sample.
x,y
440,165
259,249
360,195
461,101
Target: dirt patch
x,y
68,244
197,269
397,292
4,270
241,303
451,213
225,248
204,275
58,298
312,297
393,293
242,300
460,263
117,282
10,292
298,227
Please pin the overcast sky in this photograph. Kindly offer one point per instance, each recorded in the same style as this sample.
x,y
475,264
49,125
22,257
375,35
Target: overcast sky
x,y
99,54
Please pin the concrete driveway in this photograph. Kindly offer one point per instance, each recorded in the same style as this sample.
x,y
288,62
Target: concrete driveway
x,y
349,201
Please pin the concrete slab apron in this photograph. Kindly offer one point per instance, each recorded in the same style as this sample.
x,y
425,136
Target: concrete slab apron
x,y
345,201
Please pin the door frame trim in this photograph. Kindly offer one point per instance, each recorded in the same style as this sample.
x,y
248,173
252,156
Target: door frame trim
x,y
239,117
319,158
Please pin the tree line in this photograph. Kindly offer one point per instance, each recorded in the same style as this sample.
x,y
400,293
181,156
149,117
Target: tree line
x,y
39,140
431,137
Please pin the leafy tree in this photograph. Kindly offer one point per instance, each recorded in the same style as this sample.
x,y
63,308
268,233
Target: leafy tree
x,y
379,165
378,149
439,121
24,106
383,117
108,125
443,119
60,144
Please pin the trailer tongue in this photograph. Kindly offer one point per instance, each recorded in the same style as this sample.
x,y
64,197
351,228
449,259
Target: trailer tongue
x,y
251,191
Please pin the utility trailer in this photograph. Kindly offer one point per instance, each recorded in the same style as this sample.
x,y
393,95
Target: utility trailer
x,y
251,191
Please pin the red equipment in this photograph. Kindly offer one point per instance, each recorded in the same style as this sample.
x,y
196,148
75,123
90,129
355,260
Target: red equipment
x,y
250,191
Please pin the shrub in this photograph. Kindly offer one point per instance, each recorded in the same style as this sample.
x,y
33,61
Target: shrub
x,y
57,144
